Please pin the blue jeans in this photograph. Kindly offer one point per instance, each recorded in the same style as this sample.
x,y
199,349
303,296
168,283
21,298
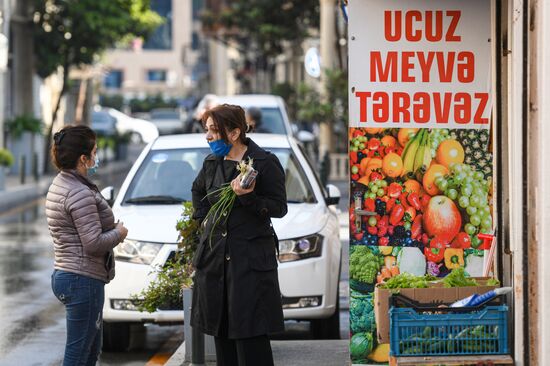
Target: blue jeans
x,y
83,299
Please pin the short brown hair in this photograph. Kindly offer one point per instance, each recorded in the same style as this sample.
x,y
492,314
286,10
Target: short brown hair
x,y
226,118
70,143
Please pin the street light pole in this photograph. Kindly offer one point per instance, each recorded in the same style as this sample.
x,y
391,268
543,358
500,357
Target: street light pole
x,y
23,55
3,68
23,66
4,44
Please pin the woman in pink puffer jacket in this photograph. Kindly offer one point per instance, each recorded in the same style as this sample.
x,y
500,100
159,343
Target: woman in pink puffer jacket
x,y
84,234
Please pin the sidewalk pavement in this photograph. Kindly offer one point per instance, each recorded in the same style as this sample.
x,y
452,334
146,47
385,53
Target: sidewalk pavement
x,y
17,194
292,353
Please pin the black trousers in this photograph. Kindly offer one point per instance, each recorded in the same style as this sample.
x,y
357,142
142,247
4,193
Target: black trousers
x,y
254,351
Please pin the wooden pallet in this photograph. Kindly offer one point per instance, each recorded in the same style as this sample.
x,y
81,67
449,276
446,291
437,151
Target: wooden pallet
x,y
485,360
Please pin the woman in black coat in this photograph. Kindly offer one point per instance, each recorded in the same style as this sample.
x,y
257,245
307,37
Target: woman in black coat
x,y
236,296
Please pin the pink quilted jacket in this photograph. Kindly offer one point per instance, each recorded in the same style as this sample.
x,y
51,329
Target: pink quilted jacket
x,y
82,226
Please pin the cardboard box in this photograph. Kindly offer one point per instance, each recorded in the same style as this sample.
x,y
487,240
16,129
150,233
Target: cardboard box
x,y
435,294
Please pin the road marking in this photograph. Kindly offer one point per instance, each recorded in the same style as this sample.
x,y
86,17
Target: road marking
x,y
166,350
21,208
158,359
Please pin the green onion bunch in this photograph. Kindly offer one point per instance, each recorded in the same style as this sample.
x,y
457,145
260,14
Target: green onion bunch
x,y
219,212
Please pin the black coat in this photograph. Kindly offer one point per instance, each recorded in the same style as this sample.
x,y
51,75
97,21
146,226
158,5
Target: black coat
x,y
239,259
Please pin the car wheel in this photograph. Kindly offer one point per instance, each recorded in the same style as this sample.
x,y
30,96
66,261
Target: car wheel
x,y
328,328
116,336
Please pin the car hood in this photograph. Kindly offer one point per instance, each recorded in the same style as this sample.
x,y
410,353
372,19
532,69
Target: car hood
x,y
157,223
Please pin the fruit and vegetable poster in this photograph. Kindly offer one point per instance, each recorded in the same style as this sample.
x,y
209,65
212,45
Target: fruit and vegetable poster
x,y
421,165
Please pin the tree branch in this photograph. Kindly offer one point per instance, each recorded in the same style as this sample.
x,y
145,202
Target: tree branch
x,y
49,133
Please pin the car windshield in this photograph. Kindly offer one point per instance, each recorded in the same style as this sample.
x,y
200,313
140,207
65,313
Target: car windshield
x,y
166,177
272,121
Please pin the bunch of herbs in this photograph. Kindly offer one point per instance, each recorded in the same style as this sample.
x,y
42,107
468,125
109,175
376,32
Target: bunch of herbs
x,y
219,211
166,289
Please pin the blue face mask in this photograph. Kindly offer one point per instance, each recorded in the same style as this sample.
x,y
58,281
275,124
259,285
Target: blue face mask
x,y
220,147
93,169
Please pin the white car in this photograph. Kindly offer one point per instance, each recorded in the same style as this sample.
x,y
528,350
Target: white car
x,y
168,121
272,107
142,131
310,248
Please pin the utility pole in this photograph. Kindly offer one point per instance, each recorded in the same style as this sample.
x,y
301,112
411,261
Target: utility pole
x,y
23,70
328,62
4,43
23,59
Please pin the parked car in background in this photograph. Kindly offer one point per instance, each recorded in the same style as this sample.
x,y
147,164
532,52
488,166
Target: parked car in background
x,y
103,123
193,123
141,131
168,121
274,115
110,122
149,204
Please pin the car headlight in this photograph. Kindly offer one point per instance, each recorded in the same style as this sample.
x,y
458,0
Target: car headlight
x,y
300,248
134,251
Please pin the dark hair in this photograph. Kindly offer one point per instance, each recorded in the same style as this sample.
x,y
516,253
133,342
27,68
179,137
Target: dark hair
x,y
70,143
226,118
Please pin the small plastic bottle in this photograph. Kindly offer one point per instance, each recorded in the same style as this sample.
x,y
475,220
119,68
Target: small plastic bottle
x,y
476,299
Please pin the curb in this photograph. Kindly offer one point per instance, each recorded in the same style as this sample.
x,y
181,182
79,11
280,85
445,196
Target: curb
x,y
178,358
283,350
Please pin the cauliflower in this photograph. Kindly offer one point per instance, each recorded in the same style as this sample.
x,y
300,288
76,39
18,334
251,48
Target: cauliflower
x,y
364,265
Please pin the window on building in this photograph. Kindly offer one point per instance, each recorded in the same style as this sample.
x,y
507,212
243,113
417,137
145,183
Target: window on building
x,y
161,38
113,80
195,41
197,7
156,75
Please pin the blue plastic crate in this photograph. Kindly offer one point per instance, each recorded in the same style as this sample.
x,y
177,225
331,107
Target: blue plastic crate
x,y
444,332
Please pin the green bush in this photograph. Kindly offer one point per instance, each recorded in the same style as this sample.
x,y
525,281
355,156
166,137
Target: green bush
x,y
176,274
151,102
112,101
104,142
6,158
24,123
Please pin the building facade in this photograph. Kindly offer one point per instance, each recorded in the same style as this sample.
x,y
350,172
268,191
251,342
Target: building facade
x,y
161,65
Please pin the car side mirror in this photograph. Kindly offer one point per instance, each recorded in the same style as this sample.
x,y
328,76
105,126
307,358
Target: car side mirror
x,y
109,194
333,196
305,136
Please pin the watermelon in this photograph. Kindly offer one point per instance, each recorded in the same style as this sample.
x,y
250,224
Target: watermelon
x,y
361,346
